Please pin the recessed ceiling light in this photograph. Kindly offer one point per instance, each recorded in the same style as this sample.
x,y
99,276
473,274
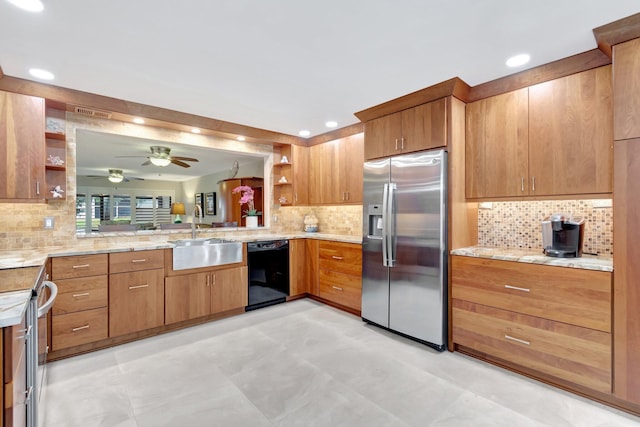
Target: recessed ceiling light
x,y
331,124
28,5
518,60
195,130
304,133
241,138
41,74
138,120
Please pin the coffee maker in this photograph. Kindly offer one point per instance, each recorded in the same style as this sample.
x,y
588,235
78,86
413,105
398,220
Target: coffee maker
x,y
562,236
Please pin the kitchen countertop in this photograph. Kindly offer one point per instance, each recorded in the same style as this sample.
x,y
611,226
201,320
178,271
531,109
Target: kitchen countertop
x,y
10,259
13,306
586,262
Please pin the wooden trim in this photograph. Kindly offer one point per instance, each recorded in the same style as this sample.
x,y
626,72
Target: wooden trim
x,y
452,87
154,116
603,398
616,32
336,134
111,342
336,305
548,197
553,70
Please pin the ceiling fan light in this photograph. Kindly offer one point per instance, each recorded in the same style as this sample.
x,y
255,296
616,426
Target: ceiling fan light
x,y
115,175
160,161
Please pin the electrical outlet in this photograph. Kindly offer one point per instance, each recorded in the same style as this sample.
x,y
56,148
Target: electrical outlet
x,y
49,223
602,203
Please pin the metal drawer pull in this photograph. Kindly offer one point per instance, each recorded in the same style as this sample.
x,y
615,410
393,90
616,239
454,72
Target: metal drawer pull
x,y
138,260
515,288
138,287
84,294
337,288
79,328
339,258
82,266
509,337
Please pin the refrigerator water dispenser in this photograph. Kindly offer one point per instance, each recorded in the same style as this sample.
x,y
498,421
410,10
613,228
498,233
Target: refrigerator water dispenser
x,y
375,220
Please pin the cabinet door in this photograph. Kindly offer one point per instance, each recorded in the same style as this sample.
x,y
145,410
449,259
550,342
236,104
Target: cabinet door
x,y
22,147
298,284
424,127
300,175
312,270
324,184
626,90
571,134
351,168
229,289
382,136
187,297
136,301
497,144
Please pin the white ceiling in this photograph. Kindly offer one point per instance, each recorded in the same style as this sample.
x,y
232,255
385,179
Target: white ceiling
x,y
287,65
97,152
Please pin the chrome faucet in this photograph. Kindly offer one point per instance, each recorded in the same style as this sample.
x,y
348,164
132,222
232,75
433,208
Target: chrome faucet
x,y
197,211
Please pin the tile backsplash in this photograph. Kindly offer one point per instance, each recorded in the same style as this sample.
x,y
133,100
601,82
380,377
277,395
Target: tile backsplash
x,y
345,219
517,224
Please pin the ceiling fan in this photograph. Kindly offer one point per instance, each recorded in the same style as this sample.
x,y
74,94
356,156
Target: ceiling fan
x,y
116,176
161,156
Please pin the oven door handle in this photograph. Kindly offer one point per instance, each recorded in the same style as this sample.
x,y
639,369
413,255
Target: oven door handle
x,y
47,305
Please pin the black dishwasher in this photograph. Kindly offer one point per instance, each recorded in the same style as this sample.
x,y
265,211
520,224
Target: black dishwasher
x,y
268,263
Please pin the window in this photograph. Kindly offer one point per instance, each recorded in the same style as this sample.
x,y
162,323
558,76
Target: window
x,y
147,211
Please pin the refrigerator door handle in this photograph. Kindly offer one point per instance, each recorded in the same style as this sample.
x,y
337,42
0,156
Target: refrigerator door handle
x,y
391,226
385,234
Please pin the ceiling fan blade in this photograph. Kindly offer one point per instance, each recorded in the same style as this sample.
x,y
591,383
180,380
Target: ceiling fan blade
x,y
95,176
179,163
188,159
133,177
147,163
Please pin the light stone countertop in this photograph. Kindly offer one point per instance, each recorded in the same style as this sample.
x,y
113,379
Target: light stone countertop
x,y
13,306
85,246
586,262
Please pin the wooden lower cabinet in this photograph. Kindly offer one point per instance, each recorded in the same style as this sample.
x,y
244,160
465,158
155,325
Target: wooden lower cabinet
x,y
340,273
136,301
554,321
73,329
80,314
298,283
194,295
571,353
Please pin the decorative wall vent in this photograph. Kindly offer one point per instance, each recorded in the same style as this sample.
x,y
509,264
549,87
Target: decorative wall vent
x,y
93,113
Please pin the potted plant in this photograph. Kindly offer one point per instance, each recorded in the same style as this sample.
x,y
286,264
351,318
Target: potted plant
x,y
251,213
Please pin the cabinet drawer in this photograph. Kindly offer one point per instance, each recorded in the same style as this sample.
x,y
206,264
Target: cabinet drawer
x,y
122,262
570,295
79,266
572,353
69,330
341,288
342,257
80,294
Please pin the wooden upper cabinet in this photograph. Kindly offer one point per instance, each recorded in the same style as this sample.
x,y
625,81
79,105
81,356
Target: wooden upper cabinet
x,y
571,134
382,135
415,129
336,171
626,90
497,146
554,138
424,127
22,147
300,171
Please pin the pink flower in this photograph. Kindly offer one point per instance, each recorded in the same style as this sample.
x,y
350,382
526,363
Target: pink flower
x,y
247,198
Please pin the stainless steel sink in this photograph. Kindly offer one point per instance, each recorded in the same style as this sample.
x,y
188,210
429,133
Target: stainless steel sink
x,y
196,253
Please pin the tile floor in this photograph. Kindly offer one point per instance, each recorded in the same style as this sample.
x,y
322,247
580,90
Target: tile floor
x,y
300,364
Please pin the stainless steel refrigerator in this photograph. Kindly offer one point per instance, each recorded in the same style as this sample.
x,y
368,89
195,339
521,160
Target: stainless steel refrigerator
x,y
404,251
